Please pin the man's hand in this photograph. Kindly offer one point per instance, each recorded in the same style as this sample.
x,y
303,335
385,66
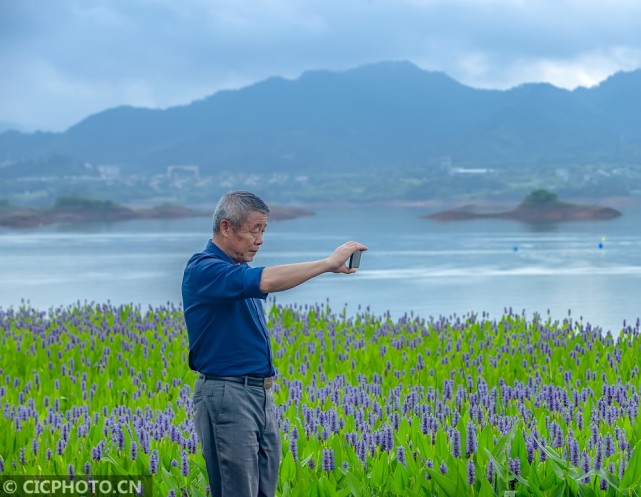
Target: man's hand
x,y
338,259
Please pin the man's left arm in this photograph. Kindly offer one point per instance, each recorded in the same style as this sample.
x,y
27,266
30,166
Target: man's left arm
x,y
286,276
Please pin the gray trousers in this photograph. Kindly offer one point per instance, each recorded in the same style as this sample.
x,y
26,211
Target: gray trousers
x,y
240,438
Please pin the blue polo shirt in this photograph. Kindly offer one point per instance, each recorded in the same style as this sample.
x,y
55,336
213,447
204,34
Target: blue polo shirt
x,y
224,314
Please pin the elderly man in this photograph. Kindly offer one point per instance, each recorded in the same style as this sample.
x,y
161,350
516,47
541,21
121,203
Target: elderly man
x,y
229,345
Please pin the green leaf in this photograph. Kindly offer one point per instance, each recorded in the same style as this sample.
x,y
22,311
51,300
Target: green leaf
x,y
379,471
549,481
401,479
586,490
485,489
499,469
313,490
611,479
288,468
449,486
337,445
572,484
501,446
520,450
325,487
355,486
404,430
632,475
535,482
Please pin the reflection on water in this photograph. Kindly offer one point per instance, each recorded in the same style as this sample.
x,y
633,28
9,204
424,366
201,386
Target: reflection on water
x,y
542,227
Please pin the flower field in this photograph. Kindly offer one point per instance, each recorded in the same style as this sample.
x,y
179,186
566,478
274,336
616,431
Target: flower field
x,y
368,405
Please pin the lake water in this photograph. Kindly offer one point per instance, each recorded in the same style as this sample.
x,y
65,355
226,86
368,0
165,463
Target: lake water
x,y
413,265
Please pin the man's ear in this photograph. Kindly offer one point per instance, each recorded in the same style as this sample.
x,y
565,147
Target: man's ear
x,y
225,227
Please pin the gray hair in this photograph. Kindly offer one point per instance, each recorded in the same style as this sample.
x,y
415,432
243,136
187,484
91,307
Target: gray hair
x,y
236,207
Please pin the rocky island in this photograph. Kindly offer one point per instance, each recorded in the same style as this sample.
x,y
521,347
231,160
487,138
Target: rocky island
x,y
75,209
539,207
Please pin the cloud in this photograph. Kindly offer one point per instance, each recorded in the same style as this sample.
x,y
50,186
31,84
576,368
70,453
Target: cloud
x,y
70,58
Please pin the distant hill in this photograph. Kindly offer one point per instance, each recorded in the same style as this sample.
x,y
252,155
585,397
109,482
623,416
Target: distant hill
x,y
6,126
75,209
370,118
539,207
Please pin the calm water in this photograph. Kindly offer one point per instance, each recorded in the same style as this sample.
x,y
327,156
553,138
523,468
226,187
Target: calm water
x,y
413,265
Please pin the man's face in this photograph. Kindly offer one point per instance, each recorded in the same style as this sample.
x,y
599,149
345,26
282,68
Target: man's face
x,y
243,244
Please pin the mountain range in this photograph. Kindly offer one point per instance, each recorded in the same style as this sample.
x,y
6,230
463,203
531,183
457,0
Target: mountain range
x,y
374,117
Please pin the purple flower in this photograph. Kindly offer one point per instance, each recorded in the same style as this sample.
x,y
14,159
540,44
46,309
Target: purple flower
x,y
153,462
598,455
530,447
585,465
470,442
609,449
96,452
429,464
455,418
574,452
514,466
118,436
621,468
387,438
144,440
455,438
489,472
425,423
594,432
134,450
361,450
293,447
328,460
543,455
400,455
622,439
471,472
184,467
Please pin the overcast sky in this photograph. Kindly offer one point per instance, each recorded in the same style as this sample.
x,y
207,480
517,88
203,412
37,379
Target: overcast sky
x,y
63,60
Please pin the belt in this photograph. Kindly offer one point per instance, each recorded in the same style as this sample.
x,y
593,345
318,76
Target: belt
x,y
251,381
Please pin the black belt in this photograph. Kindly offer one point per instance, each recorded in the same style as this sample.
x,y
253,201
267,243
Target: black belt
x,y
251,381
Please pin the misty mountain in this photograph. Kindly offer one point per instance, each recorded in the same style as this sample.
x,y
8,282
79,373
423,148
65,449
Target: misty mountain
x,y
7,126
373,117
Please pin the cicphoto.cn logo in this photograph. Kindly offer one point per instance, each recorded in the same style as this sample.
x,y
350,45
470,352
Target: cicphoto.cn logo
x,y
95,486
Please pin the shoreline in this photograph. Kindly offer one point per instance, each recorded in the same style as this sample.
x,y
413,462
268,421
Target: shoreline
x,y
73,211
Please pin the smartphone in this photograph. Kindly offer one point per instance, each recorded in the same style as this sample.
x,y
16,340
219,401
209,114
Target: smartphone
x,y
355,260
